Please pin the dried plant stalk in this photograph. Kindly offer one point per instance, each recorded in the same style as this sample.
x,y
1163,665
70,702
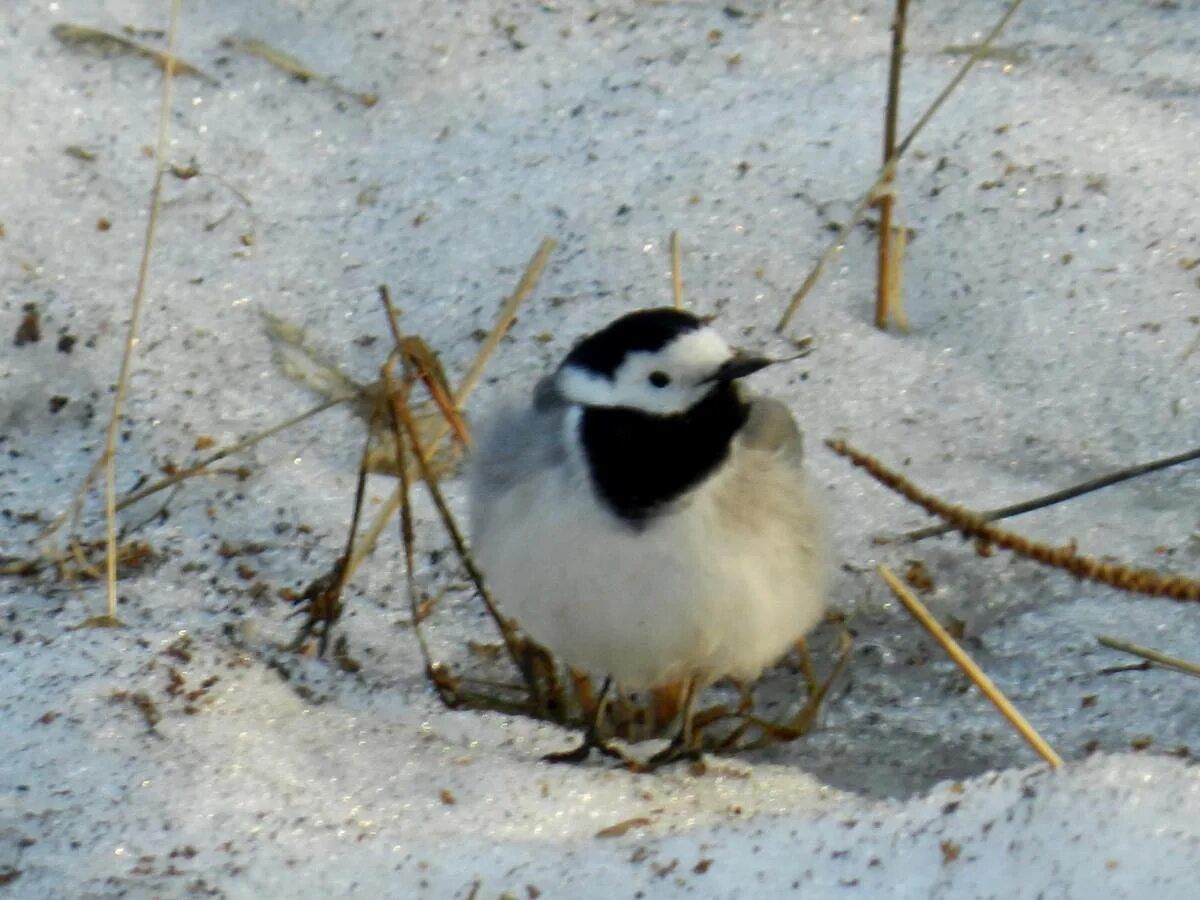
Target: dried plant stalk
x,y
1154,656
1126,578
1093,484
433,441
508,313
889,168
895,279
108,458
403,416
407,529
889,265
200,467
104,44
969,667
676,271
294,67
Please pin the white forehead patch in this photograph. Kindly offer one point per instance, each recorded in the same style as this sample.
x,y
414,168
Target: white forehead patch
x,y
702,350
688,361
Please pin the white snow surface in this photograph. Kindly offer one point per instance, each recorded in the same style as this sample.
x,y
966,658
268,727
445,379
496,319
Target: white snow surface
x,y
1052,285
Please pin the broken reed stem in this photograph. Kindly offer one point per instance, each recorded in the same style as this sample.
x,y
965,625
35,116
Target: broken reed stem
x,y
402,412
969,667
1069,493
200,467
509,312
1154,656
895,276
887,279
889,167
676,271
1125,578
407,530
139,294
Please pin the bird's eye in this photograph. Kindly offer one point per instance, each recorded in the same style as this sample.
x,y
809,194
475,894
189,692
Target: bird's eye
x,y
660,379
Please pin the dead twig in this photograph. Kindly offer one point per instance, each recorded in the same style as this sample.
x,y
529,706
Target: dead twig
x,y
529,280
294,67
201,466
106,44
139,296
507,314
407,529
1126,578
970,668
1069,493
889,168
507,632
891,259
323,598
106,462
676,271
1154,656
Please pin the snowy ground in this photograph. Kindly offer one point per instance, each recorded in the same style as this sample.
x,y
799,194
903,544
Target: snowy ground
x,y
1052,286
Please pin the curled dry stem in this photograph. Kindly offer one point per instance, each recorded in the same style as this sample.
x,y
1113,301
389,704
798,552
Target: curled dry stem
x,y
971,524
508,314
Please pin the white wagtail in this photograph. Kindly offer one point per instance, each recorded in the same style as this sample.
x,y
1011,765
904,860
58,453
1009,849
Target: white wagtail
x,y
646,520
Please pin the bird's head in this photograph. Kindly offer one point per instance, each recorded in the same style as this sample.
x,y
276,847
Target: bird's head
x,y
658,361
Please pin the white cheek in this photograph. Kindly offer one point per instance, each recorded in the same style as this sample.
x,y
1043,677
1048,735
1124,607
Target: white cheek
x,y
629,390
589,389
657,400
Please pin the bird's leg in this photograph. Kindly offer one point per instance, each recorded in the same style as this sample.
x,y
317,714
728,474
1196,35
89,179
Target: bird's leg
x,y
591,737
685,744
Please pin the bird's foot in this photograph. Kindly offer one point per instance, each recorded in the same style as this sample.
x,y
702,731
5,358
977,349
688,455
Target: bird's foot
x,y
583,751
677,751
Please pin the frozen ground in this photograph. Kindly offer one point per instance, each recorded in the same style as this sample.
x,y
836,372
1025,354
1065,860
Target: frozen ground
x,y
1052,289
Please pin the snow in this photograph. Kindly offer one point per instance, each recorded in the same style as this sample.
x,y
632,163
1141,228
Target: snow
x,y
1053,296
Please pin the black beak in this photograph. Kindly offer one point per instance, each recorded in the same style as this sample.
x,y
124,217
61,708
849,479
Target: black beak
x,y
740,366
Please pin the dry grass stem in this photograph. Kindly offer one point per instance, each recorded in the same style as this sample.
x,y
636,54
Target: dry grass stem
x,y
294,67
890,258
407,529
1086,487
971,524
200,467
895,278
139,296
969,667
507,314
889,168
402,413
104,43
1154,656
676,271
106,462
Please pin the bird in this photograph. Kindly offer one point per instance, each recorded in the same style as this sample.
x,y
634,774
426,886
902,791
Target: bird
x,y
647,519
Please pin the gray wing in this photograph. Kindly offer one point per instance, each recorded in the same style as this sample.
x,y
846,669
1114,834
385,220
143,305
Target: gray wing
x,y
515,444
771,428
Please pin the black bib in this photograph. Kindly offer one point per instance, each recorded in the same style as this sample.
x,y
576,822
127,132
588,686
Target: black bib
x,y
640,462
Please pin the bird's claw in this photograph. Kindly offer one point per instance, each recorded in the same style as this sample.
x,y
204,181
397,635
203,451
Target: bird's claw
x,y
676,751
580,754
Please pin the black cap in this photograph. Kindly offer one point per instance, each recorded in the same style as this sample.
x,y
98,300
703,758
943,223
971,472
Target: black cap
x,y
646,330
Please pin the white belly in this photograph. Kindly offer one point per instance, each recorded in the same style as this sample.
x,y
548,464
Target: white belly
x,y
695,593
